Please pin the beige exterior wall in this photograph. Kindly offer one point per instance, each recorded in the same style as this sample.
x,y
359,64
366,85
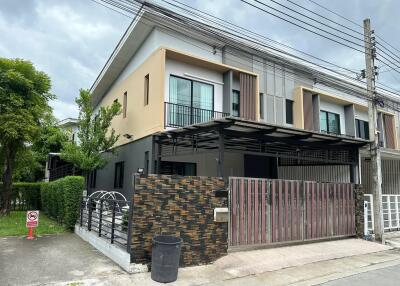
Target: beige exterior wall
x,y
298,112
140,120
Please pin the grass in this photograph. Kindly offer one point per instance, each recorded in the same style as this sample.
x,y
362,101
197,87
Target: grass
x,y
14,225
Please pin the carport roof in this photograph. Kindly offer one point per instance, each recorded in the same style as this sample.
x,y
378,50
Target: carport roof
x,y
240,135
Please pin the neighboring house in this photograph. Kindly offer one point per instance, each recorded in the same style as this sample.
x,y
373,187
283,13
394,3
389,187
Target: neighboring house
x,y
57,168
197,102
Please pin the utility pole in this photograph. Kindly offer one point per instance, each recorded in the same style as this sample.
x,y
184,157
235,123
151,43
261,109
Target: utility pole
x,y
370,54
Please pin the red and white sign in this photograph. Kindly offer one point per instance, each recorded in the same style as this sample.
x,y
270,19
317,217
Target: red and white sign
x,y
32,219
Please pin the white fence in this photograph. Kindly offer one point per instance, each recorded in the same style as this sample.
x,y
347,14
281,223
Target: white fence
x,y
391,212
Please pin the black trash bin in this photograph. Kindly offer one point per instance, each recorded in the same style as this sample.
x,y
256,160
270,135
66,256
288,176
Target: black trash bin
x,y
165,258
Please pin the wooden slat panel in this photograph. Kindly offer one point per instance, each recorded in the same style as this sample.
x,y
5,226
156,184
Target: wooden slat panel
x,y
389,131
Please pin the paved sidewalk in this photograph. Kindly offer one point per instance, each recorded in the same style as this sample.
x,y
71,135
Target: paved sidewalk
x,y
67,260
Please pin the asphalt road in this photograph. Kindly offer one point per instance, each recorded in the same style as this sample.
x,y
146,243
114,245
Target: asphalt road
x,y
389,276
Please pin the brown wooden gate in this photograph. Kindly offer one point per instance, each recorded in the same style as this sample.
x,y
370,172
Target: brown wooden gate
x,y
264,211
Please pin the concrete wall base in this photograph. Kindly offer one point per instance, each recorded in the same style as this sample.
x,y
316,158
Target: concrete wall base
x,y
115,253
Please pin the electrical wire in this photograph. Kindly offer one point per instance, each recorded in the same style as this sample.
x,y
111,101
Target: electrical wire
x,y
110,2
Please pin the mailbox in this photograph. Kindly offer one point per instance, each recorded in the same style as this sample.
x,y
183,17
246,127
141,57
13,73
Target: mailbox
x,y
221,215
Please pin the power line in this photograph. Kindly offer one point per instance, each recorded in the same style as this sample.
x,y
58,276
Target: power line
x,y
304,22
358,25
315,27
315,20
256,34
356,91
326,18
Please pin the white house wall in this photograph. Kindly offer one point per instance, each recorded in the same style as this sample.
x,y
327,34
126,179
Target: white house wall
x,y
173,67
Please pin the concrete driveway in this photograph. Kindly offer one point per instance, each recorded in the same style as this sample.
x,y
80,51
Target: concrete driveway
x,y
50,259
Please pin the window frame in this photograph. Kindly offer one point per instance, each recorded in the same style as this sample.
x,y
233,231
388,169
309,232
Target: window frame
x,y
358,129
119,178
238,103
191,91
291,111
261,103
327,122
125,102
146,89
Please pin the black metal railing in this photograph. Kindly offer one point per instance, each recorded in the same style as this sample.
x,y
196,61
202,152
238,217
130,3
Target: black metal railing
x,y
178,115
109,218
63,171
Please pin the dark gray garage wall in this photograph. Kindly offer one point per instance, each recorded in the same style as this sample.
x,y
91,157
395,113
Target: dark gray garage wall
x,y
133,156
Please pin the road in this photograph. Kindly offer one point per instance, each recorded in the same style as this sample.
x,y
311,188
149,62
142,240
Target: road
x,y
388,276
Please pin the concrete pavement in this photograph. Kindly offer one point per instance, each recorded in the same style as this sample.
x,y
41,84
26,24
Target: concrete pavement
x,y
67,260
388,276
53,258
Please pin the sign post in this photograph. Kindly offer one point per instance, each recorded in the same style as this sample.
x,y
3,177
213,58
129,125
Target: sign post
x,y
32,220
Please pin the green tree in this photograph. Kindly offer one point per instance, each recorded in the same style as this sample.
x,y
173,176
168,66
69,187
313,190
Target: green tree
x,y
24,97
96,138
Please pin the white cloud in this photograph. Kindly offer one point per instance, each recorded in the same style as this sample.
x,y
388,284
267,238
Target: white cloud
x,y
72,39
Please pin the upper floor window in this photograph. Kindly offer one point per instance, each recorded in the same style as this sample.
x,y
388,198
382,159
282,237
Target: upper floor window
x,y
119,175
146,89
329,122
124,107
191,93
235,103
362,129
261,106
289,111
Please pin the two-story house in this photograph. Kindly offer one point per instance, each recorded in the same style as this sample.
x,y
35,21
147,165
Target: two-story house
x,y
196,101
56,167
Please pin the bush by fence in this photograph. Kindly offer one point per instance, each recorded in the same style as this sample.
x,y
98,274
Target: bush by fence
x,y
25,196
60,199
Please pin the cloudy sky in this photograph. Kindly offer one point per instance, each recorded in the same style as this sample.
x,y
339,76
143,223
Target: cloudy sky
x,y
71,39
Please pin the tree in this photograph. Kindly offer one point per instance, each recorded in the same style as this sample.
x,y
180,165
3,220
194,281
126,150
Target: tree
x,y
95,137
31,160
49,139
24,97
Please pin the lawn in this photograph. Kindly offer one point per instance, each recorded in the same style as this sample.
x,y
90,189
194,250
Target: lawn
x,y
14,225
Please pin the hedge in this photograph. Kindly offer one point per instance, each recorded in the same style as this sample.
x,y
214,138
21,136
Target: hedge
x,y
25,196
60,199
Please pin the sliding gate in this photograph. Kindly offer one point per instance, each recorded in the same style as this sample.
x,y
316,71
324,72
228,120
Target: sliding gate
x,y
264,211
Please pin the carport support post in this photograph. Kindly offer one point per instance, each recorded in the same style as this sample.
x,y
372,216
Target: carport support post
x,y
221,151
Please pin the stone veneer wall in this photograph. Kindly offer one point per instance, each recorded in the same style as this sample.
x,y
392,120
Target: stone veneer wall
x,y
180,206
359,210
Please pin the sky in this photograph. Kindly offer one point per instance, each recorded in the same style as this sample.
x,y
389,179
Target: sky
x,y
71,40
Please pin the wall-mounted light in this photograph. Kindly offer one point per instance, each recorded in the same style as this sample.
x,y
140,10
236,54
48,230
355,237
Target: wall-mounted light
x,y
128,136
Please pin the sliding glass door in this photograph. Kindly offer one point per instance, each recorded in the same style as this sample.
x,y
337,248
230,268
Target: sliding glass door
x,y
190,101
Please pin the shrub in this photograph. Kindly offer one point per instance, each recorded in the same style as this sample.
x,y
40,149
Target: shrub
x,y
60,199
25,196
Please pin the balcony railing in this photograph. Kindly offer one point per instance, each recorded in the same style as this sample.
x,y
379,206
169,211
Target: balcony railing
x,y
177,115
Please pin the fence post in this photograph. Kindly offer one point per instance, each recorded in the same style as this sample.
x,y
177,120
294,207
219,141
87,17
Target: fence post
x,y
303,225
90,215
100,216
129,230
113,222
81,212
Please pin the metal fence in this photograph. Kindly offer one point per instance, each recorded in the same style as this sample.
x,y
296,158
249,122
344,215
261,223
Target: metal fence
x,y
109,218
390,210
267,211
178,115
